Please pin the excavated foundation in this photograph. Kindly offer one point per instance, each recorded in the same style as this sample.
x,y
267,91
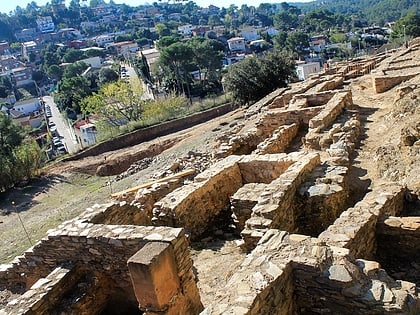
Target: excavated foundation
x,y
276,215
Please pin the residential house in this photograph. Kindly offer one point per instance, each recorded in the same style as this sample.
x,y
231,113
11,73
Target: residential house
x,y
152,56
201,30
27,107
26,35
101,10
4,48
271,31
69,33
45,24
8,63
103,40
29,48
250,34
185,30
122,48
21,76
27,113
304,70
237,44
85,132
233,58
174,16
317,43
76,44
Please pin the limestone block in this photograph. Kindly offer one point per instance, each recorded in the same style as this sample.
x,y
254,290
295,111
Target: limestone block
x,y
154,276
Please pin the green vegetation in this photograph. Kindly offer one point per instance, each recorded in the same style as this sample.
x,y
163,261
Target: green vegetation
x,y
20,158
253,78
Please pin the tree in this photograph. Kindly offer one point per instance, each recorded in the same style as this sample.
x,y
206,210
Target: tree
x,y
73,55
55,72
408,27
71,91
253,78
11,135
118,103
297,42
107,75
11,154
74,69
175,62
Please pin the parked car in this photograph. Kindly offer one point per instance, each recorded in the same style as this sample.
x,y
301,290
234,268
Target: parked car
x,y
57,141
61,149
51,124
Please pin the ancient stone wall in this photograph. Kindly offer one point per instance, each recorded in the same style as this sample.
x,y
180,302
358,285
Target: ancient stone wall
x,y
383,83
193,206
398,246
355,229
279,141
102,249
275,207
296,274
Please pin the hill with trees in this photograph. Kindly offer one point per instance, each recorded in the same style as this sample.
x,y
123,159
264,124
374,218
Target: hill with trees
x,y
371,11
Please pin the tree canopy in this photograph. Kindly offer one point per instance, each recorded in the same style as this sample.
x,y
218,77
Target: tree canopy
x,y
253,78
19,159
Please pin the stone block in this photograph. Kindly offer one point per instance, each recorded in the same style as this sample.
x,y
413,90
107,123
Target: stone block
x,y
153,272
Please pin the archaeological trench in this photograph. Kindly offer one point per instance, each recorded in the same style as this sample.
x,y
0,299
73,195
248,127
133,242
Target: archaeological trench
x,y
281,191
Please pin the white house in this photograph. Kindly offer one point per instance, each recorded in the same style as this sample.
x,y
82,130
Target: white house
x,y
271,31
185,30
250,34
94,62
87,135
85,132
304,70
237,44
102,40
27,107
45,24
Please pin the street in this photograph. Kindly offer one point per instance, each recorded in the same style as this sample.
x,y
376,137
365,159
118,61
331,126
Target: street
x,y
64,130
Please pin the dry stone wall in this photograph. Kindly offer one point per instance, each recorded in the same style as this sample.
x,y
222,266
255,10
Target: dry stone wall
x,y
355,229
296,274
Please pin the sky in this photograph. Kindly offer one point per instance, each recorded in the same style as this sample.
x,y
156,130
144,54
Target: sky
x,y
6,5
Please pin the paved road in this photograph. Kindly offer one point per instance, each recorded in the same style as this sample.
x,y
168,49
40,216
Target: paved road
x,y
66,133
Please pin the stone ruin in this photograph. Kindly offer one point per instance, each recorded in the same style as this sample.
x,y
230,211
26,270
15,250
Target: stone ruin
x,y
280,187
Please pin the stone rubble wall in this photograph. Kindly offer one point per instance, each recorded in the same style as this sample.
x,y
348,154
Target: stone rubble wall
x,y
292,106
388,75
355,229
321,199
296,274
283,100
275,207
105,249
242,202
136,210
398,249
316,137
332,110
400,236
258,106
279,141
383,83
43,294
311,99
193,206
